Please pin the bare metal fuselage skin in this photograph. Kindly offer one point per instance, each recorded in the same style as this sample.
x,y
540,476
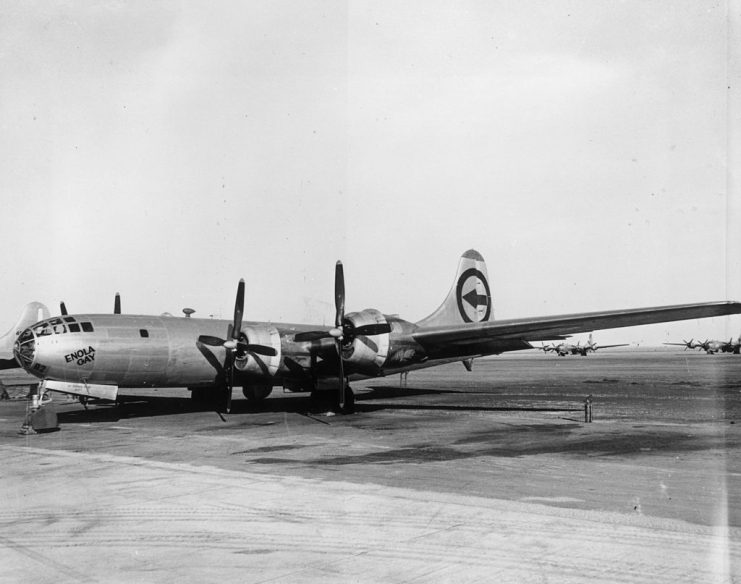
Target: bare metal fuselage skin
x,y
162,351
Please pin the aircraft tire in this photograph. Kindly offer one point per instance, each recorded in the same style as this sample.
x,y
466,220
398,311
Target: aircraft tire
x,y
256,393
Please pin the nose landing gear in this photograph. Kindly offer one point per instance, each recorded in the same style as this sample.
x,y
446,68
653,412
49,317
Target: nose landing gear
x,y
39,416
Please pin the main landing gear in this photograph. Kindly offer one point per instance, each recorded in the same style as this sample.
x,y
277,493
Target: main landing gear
x,y
328,401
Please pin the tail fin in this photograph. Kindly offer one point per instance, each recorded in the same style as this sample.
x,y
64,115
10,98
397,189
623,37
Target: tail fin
x,y
32,313
469,300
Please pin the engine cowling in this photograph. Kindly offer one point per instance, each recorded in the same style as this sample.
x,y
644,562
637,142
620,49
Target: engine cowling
x,y
260,365
365,353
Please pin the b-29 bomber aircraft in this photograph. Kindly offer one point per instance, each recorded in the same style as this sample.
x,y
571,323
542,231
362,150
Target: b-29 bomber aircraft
x,y
711,347
93,355
563,349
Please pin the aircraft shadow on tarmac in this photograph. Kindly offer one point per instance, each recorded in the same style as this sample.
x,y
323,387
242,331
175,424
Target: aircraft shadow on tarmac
x,y
512,441
152,406
364,401
503,439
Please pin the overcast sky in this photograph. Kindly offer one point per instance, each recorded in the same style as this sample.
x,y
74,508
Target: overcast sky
x,y
166,149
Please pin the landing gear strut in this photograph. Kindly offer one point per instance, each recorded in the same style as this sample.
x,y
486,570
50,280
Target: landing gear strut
x,y
328,401
349,400
39,418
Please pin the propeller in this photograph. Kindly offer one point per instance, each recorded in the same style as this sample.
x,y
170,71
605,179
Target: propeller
x,y
63,308
339,330
344,331
235,345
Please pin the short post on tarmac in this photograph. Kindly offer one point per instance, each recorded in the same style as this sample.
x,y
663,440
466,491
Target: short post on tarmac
x,y
588,409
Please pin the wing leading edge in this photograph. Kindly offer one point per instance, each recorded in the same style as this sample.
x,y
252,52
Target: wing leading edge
x,y
550,327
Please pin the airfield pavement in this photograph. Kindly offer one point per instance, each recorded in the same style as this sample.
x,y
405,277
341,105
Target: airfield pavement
x,y
488,476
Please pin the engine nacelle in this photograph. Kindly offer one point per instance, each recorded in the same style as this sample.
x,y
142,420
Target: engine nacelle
x,y
260,365
366,353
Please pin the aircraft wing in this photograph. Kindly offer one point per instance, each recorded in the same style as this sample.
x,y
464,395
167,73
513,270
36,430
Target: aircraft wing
x,y
610,346
546,327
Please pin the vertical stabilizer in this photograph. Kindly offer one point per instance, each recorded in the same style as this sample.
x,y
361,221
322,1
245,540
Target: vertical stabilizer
x,y
469,300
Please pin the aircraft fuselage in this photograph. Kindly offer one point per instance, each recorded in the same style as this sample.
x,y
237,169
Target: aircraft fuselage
x,y
163,351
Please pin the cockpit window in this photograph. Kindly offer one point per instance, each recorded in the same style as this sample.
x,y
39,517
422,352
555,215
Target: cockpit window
x,y
56,326
43,330
24,347
25,336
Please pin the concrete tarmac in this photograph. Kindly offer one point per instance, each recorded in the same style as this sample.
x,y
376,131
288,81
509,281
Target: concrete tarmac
x,y
459,477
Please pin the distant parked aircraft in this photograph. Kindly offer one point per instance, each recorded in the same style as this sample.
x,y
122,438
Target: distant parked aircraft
x,y
711,346
591,346
563,349
733,346
730,346
691,344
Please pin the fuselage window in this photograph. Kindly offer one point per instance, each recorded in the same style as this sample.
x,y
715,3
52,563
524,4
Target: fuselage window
x,y
74,327
69,319
59,329
144,333
87,327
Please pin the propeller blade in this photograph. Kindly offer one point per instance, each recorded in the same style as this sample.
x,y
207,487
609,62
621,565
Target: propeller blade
x,y
211,358
211,341
339,303
311,336
63,308
238,310
257,349
299,372
370,330
117,304
339,295
338,345
228,381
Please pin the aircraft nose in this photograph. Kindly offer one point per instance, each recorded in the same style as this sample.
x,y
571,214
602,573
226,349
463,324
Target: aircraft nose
x,y
25,348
